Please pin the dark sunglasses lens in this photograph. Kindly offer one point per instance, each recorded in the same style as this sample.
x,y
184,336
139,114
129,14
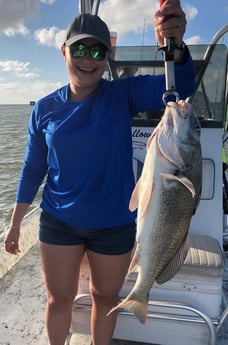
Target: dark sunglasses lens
x,y
98,53
78,51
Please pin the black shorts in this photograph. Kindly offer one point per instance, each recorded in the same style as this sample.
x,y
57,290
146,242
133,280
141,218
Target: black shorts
x,y
108,241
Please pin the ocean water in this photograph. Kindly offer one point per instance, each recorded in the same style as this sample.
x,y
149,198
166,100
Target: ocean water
x,y
13,135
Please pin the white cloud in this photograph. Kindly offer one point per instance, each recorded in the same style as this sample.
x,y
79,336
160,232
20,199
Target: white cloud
x,y
193,40
19,29
49,2
126,16
190,11
52,36
17,68
14,12
18,93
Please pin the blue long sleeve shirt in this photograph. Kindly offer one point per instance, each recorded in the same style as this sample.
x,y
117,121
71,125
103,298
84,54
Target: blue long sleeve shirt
x,y
85,149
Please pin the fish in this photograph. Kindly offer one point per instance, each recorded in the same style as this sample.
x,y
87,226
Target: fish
x,y
166,195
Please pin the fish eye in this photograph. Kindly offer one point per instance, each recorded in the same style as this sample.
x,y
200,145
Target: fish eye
x,y
197,124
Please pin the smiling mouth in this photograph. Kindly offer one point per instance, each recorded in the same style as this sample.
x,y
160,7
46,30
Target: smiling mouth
x,y
86,69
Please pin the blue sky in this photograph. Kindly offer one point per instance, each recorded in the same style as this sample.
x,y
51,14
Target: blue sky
x,y
31,33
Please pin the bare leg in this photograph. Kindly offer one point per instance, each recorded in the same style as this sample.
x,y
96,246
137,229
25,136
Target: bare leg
x,y
107,276
61,267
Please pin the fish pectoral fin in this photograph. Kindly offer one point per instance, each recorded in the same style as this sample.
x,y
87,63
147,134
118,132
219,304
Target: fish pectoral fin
x,y
134,201
175,263
182,179
145,190
146,196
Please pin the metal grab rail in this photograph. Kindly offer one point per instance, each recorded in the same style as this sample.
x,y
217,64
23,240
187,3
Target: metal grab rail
x,y
201,317
208,54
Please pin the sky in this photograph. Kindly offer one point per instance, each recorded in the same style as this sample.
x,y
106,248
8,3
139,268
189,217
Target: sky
x,y
32,31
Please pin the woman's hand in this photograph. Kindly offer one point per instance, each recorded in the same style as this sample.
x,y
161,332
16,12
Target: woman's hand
x,y
11,240
170,22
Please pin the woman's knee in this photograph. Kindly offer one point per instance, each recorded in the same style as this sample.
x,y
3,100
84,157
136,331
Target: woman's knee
x,y
103,297
59,300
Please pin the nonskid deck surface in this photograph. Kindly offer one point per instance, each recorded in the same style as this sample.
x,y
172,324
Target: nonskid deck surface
x,y
22,301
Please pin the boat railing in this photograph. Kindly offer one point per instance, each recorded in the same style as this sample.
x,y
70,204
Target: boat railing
x,y
83,302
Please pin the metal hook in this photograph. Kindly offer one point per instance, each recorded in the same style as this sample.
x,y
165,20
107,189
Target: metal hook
x,y
170,93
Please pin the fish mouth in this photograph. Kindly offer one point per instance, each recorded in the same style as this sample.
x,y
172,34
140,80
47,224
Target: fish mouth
x,y
184,108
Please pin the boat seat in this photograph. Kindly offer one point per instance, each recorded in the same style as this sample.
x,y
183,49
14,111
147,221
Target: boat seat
x,y
205,256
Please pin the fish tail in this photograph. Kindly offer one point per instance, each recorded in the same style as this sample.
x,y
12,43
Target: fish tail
x,y
137,307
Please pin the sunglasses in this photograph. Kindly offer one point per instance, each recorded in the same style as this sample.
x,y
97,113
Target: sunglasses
x,y
97,52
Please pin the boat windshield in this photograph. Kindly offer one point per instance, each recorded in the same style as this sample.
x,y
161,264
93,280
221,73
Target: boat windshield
x,y
211,73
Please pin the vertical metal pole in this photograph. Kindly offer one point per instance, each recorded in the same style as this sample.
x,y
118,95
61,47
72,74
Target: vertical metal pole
x,y
89,6
95,6
85,6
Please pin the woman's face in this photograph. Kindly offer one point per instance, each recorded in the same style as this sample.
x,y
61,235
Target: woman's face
x,y
84,72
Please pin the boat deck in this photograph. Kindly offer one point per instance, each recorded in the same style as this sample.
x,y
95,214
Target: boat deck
x,y
22,301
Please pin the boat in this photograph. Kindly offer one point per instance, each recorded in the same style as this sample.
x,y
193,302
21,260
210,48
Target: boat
x,y
32,103
191,308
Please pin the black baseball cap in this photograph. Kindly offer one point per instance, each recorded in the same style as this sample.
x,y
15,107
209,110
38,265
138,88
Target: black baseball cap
x,y
88,25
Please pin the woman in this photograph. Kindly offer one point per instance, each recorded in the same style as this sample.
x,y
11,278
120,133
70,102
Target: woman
x,y
80,139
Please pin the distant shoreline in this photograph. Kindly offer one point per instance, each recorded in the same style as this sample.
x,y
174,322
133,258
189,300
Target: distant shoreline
x,y
16,104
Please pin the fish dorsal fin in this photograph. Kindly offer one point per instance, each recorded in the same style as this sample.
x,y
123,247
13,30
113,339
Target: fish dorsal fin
x,y
182,179
175,263
134,201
